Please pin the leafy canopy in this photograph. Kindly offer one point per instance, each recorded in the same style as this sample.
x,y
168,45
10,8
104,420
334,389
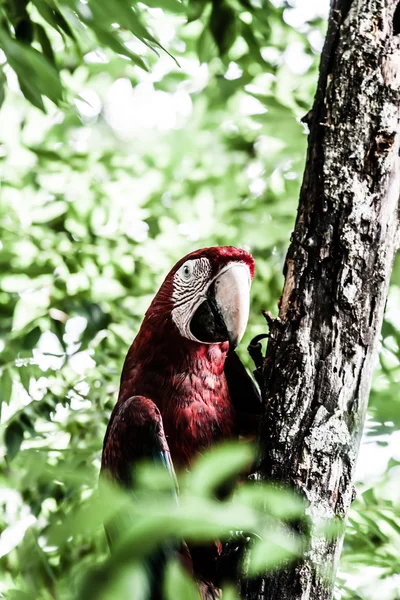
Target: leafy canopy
x,y
163,126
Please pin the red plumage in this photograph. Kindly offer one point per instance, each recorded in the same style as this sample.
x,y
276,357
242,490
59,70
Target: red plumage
x,y
178,395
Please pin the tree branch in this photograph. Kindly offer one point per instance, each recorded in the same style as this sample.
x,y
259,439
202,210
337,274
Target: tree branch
x,y
321,351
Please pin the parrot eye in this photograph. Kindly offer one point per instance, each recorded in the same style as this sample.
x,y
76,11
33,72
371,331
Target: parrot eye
x,y
186,271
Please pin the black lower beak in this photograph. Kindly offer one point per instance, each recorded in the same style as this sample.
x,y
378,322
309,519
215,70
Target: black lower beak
x,y
207,324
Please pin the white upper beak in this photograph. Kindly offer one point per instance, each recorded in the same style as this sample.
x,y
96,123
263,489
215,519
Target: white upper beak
x,y
232,294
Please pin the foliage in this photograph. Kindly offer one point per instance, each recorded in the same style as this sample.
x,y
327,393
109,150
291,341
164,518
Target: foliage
x,y
34,31
65,564
137,161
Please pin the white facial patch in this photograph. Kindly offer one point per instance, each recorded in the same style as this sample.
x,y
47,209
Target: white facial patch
x,y
190,286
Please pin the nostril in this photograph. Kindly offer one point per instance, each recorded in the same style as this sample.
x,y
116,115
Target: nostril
x,y
396,20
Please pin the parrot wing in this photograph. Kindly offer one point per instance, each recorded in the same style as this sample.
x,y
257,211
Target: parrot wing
x,y
244,394
135,433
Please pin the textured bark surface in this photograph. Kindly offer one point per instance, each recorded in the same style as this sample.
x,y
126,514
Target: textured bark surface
x,y
322,347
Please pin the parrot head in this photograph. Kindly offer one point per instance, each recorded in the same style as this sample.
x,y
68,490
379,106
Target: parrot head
x,y
206,296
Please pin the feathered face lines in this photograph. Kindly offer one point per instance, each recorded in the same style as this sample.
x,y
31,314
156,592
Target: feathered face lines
x,y
190,281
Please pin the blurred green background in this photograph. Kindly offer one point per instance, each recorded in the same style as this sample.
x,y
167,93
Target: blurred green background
x,y
127,139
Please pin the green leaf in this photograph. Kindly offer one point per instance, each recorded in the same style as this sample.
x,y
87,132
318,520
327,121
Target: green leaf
x,y
112,41
218,467
206,47
31,339
223,26
282,503
34,72
26,423
13,439
115,583
195,9
230,593
32,94
178,583
278,547
63,24
54,17
24,376
122,12
391,521
153,477
44,42
6,385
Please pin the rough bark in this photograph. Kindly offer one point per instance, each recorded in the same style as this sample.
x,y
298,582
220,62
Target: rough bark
x,y
322,346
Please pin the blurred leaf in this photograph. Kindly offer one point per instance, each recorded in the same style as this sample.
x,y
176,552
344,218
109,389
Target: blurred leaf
x,y
195,9
152,477
32,338
103,584
13,437
24,377
223,26
279,502
34,72
45,43
178,584
230,593
205,45
112,41
51,13
6,384
218,467
278,548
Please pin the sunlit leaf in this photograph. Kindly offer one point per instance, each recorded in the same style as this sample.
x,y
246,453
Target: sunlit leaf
x,y
218,467
33,70
281,502
178,584
279,547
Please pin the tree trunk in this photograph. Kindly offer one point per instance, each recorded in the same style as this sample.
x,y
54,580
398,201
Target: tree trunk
x,y
321,351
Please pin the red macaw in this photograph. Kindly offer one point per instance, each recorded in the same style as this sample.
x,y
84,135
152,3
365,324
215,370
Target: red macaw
x,y
183,388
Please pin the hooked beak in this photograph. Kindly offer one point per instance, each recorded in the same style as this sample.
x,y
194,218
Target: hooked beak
x,y
224,314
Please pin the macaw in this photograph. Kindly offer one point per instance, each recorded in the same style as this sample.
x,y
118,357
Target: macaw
x,y
183,388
